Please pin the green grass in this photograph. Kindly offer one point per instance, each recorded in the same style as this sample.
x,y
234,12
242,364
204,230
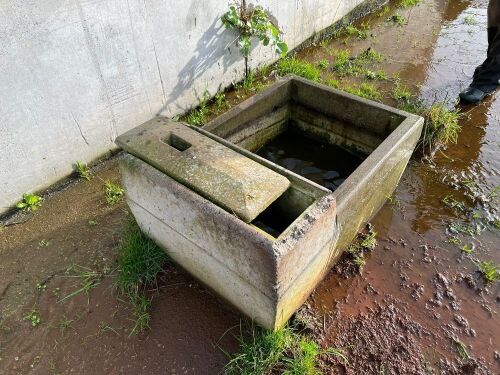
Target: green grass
x,y
283,351
365,90
454,204
461,349
397,19
30,202
369,241
400,92
378,75
83,170
441,127
323,64
299,68
220,102
467,249
466,229
113,193
332,83
87,277
352,30
490,271
408,3
140,261
347,65
198,116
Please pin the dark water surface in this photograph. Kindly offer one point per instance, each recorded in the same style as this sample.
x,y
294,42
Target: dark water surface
x,y
327,165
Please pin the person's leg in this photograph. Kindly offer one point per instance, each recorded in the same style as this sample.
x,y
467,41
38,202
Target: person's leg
x,y
487,76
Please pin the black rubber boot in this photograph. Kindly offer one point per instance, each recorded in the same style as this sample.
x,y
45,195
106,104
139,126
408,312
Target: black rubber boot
x,y
472,95
486,76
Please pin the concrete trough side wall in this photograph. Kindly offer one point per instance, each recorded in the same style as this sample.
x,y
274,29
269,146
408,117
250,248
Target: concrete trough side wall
x,y
74,75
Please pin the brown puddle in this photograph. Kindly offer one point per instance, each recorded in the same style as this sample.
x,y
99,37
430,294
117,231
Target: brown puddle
x,y
431,282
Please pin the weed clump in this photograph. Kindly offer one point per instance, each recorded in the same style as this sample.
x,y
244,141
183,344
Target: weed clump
x,y
283,351
30,202
490,271
408,3
353,259
441,127
323,64
365,90
198,116
397,19
347,65
113,193
299,68
140,261
83,170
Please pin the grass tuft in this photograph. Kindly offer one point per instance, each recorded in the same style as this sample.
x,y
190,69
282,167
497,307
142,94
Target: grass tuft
x,y
441,127
88,278
365,90
299,68
140,261
83,170
198,116
283,351
397,19
408,3
323,64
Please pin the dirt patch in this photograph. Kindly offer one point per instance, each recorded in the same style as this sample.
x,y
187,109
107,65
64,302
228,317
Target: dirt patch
x,y
90,333
380,341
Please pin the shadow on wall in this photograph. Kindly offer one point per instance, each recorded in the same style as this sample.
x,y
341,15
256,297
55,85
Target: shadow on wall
x,y
216,46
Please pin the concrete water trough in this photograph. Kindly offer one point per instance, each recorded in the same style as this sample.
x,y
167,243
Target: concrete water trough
x,y
257,233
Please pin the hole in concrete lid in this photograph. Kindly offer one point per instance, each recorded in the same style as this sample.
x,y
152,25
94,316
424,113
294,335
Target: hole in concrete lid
x,y
276,218
177,142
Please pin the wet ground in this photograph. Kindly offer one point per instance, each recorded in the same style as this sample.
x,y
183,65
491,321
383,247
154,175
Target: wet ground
x,y
419,306
432,283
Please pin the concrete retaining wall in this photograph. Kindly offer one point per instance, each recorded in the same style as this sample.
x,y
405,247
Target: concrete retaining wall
x,y
75,74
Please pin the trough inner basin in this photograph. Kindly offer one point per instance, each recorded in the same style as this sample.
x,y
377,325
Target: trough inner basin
x,y
354,147
325,164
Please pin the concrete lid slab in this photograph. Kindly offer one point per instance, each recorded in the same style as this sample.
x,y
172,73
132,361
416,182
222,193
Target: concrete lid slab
x,y
233,181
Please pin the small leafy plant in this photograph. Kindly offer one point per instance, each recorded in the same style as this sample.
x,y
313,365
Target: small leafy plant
x,y
33,317
113,193
253,22
30,202
83,170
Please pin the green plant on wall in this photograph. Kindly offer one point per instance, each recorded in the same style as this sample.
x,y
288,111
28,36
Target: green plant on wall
x,y
253,22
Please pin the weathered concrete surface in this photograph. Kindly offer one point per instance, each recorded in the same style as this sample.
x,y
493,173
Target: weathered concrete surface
x,y
386,135
74,75
266,278
225,177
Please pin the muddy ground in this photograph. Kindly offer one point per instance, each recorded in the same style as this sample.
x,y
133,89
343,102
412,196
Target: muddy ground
x,y
419,306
